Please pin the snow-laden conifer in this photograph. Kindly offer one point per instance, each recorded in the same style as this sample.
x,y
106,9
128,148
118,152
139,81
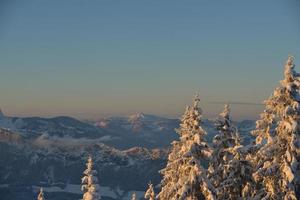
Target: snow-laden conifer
x,y
41,195
223,140
184,177
133,197
90,185
150,195
229,171
237,182
277,139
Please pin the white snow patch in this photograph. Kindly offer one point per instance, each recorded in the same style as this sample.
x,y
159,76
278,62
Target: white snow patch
x,y
76,189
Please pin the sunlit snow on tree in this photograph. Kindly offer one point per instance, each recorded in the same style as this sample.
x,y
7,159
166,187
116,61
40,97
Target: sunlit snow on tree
x,y
133,197
150,195
184,177
41,195
229,171
277,139
90,185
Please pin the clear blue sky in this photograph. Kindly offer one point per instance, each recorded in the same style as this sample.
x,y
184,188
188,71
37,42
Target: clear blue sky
x,y
95,58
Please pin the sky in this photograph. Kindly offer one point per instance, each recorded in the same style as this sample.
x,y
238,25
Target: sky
x,y
96,58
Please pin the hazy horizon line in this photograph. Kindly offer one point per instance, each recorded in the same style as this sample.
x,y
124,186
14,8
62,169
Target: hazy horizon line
x,y
104,115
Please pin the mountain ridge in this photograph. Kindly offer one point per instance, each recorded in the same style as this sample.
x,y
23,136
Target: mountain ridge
x,y
51,152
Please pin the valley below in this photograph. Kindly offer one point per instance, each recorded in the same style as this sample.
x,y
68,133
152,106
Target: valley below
x,y
128,153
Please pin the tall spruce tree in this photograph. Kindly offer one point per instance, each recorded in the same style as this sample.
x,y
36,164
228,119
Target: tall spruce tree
x,y
41,195
277,139
150,195
133,197
90,185
223,140
184,177
238,182
229,171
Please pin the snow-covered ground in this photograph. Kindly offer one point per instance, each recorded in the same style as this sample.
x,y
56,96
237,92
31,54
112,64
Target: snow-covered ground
x,y
104,191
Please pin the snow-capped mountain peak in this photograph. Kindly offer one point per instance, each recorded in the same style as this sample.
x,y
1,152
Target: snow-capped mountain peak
x,y
136,116
143,117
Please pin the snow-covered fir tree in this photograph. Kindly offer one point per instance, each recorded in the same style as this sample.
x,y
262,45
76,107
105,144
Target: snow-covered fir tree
x,y
90,185
184,177
133,197
223,140
41,195
277,139
237,182
229,171
150,195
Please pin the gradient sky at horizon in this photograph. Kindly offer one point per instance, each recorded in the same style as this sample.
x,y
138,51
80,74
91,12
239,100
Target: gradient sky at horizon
x,y
90,59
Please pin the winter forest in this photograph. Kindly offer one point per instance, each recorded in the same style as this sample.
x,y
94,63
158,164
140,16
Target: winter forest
x,y
268,168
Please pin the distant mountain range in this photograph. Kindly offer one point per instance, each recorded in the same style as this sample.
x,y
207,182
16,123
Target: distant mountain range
x,y
51,152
